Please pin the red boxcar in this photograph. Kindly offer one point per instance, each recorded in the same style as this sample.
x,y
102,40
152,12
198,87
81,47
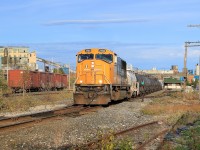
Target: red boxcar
x,y
19,78
64,81
51,84
57,80
34,80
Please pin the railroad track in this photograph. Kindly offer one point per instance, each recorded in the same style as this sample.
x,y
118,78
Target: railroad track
x,y
34,93
14,123
95,144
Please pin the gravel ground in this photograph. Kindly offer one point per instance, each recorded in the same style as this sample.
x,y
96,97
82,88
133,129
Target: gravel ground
x,y
37,109
79,130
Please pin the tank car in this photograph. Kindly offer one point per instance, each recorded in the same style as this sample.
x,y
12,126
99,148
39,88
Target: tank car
x,y
132,81
150,84
100,77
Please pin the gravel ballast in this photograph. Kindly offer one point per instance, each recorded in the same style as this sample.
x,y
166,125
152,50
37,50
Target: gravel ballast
x,y
78,130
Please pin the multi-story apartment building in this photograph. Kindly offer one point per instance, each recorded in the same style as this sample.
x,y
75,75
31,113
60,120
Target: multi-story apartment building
x,y
17,58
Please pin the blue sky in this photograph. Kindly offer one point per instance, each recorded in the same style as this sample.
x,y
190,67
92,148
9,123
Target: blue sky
x,y
144,33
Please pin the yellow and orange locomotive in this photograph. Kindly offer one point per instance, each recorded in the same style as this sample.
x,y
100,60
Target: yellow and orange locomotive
x,y
100,77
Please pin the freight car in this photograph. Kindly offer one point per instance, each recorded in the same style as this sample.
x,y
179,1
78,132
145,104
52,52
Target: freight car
x,y
150,84
101,77
20,80
132,80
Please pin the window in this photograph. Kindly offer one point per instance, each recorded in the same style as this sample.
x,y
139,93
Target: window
x,y
82,57
105,57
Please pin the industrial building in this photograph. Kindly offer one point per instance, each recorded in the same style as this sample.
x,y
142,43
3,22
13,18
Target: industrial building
x,y
172,84
172,71
17,58
161,74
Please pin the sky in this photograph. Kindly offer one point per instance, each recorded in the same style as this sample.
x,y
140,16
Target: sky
x,y
145,33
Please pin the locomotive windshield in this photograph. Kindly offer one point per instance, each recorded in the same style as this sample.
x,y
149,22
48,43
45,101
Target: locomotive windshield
x,y
82,57
105,57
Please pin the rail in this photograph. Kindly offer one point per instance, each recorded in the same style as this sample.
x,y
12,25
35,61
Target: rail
x,y
13,123
94,144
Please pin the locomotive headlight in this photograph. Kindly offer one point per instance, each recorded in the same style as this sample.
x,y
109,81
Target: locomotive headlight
x,y
81,81
100,81
92,64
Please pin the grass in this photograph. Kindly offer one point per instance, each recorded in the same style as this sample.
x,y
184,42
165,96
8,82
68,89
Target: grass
x,y
188,138
169,109
191,138
110,142
172,107
20,103
173,103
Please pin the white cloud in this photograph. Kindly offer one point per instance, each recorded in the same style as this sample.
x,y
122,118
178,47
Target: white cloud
x,y
63,22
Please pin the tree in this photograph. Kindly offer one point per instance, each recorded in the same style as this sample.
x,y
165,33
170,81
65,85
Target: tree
x,y
4,89
59,70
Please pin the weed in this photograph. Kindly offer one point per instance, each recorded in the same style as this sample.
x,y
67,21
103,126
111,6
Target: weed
x,y
20,103
175,102
124,144
109,142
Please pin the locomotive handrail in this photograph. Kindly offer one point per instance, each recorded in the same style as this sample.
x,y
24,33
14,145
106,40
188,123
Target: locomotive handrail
x,y
109,83
74,84
76,80
107,79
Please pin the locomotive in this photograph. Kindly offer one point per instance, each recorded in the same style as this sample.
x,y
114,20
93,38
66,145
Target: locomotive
x,y
102,77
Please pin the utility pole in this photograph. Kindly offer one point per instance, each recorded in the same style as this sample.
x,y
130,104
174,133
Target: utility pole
x,y
188,44
185,60
23,82
6,50
69,77
197,25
